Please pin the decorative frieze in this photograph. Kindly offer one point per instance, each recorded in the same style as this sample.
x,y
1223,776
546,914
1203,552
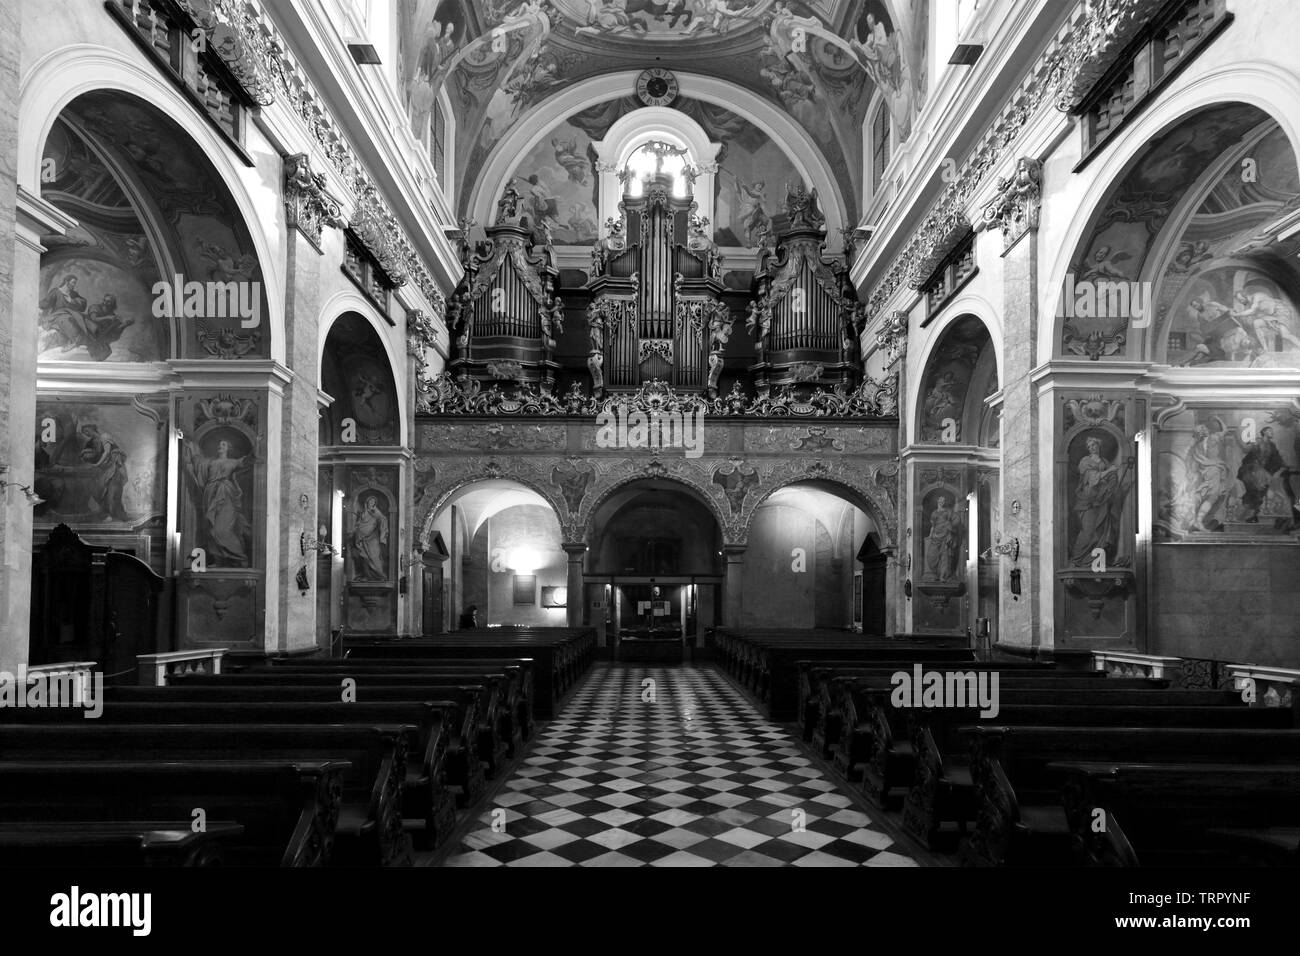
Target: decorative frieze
x,y
1016,206
308,205
1094,48
938,237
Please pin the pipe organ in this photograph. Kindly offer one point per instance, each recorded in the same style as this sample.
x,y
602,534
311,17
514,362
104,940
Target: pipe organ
x,y
806,320
506,317
656,296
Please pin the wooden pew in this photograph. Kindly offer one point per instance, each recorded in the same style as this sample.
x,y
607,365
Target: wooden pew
x,y
1159,814
518,670
561,655
288,809
445,765
490,734
447,728
943,790
1019,819
115,843
369,830
875,740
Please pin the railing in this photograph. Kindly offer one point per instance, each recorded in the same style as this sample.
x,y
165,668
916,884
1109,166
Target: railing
x,y
1129,664
155,669
1273,686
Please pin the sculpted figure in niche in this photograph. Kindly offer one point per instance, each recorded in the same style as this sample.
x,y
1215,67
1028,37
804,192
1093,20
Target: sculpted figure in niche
x,y
370,542
943,544
226,527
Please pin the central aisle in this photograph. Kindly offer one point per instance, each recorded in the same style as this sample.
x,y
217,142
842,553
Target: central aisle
x,y
669,766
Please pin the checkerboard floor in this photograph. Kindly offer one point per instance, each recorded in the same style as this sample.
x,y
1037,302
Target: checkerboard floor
x,y
669,766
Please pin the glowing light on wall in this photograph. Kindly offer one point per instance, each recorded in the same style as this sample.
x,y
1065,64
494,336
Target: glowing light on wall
x,y
526,560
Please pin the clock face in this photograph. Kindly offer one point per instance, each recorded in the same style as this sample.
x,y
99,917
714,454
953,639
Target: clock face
x,y
656,87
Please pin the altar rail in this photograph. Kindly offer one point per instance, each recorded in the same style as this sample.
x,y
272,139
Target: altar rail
x,y
155,669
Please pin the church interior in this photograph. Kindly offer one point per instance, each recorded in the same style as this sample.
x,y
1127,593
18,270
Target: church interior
x,y
669,433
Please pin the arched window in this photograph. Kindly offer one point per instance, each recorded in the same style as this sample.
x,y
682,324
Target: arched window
x,y
880,145
654,157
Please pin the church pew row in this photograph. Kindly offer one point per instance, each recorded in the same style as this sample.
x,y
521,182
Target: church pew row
x,y
490,731
1019,816
438,765
767,662
1159,814
823,689
942,789
863,720
115,843
288,809
445,725
560,655
818,697
518,672
369,830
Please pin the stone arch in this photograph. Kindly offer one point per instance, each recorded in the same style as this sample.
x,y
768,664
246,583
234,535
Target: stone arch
x,y
881,513
802,150
462,482
962,358
348,303
71,72
606,491
1273,91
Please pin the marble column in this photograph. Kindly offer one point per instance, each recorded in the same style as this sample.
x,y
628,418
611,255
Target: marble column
x,y
299,438
26,217
1015,212
577,593
732,585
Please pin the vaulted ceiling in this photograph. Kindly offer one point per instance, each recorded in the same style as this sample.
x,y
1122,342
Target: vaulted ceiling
x,y
819,61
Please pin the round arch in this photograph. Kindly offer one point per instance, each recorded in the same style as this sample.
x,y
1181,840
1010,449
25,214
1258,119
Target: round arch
x,y
350,302
612,490
963,322
798,145
463,483
885,525
1265,86
59,78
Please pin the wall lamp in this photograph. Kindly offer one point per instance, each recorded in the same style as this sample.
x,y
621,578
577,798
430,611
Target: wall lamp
x,y
33,498
1010,547
306,543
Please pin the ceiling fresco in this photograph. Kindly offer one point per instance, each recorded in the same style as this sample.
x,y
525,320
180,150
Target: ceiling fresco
x,y
821,62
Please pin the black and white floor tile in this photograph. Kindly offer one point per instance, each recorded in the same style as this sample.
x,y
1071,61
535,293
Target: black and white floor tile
x,y
669,766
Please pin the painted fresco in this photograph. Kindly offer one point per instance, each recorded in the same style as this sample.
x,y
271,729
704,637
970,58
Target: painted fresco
x,y
660,20
1223,301
753,172
96,296
1229,471
559,185
1124,232
947,384
101,464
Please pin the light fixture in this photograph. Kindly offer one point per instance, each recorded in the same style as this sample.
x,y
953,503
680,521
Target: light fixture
x,y
33,498
525,560
364,54
966,54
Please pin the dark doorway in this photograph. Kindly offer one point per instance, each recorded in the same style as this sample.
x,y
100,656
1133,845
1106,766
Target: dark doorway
x,y
874,564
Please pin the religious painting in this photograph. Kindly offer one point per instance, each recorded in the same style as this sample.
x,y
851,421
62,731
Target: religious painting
x,y
1102,470
661,20
429,32
219,469
559,185
947,383
1124,230
373,402
99,464
942,535
1235,317
1229,472
368,538
753,174
97,298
